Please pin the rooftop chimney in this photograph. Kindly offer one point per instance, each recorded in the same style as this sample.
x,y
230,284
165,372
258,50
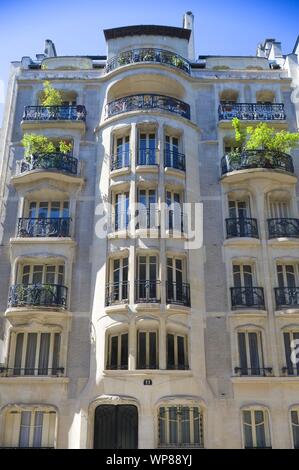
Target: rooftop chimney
x,y
50,50
188,23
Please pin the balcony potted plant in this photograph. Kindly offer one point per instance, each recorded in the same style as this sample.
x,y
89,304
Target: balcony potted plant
x,y
37,147
51,99
178,62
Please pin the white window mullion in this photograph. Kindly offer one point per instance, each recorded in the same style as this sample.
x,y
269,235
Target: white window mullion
x,y
37,353
32,428
51,353
24,350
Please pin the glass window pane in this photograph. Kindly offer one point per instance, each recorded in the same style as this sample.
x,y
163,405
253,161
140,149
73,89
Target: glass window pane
x,y
114,352
247,426
142,350
25,429
30,353
170,351
124,351
38,429
181,352
153,350
173,426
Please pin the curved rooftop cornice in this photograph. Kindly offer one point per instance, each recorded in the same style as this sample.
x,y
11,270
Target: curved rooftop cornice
x,y
148,30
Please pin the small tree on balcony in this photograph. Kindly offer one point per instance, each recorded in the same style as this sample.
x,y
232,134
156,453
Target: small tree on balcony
x,y
40,145
51,96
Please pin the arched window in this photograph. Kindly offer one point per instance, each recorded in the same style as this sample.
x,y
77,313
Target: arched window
x,y
294,415
256,430
180,426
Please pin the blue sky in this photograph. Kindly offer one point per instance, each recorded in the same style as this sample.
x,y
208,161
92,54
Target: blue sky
x,y
222,27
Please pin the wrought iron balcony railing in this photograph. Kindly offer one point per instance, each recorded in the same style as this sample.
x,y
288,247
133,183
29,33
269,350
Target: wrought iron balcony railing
x,y
142,102
147,218
184,366
252,111
117,367
120,160
176,219
29,371
241,227
173,159
119,221
178,293
254,371
51,161
54,113
148,55
252,297
283,227
287,296
38,295
117,293
290,370
147,291
147,156
248,159
44,227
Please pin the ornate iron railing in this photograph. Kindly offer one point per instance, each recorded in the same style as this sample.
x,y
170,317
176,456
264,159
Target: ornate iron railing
x,y
178,293
40,227
252,111
283,227
268,159
147,156
247,297
147,291
54,113
173,159
142,102
254,371
51,161
44,295
147,218
148,55
117,293
120,160
290,370
287,296
241,227
29,371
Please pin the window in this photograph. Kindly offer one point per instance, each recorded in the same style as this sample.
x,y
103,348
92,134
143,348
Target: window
x,y
48,209
291,342
177,289
121,156
147,283
180,426
287,275
118,351
147,209
250,353
295,427
117,288
256,428
174,201
147,149
147,350
42,274
177,352
121,211
238,209
36,353
30,428
171,151
279,209
287,292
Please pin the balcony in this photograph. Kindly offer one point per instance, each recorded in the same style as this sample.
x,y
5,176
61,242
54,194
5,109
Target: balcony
x,y
53,116
254,371
283,227
51,161
287,297
147,102
44,227
117,293
120,160
251,111
149,56
290,370
254,159
119,221
247,297
241,227
25,372
178,293
38,295
175,160
147,291
147,156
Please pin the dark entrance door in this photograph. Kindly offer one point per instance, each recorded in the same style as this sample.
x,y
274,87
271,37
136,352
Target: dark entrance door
x,y
116,427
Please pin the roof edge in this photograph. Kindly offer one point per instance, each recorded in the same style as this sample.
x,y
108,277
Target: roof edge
x,y
148,30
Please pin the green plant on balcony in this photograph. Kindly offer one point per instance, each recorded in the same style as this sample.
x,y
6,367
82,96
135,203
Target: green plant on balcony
x,y
40,145
262,137
177,62
51,96
122,59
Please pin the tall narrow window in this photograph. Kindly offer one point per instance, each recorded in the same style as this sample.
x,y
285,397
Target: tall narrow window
x,y
244,292
287,292
279,209
121,157
180,426
118,351
256,428
117,288
30,428
172,155
147,209
250,353
291,342
147,350
174,201
238,209
177,289
295,427
147,149
177,352
121,214
36,354
147,283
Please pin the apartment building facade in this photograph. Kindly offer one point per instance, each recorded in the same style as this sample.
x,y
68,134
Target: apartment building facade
x,y
118,329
